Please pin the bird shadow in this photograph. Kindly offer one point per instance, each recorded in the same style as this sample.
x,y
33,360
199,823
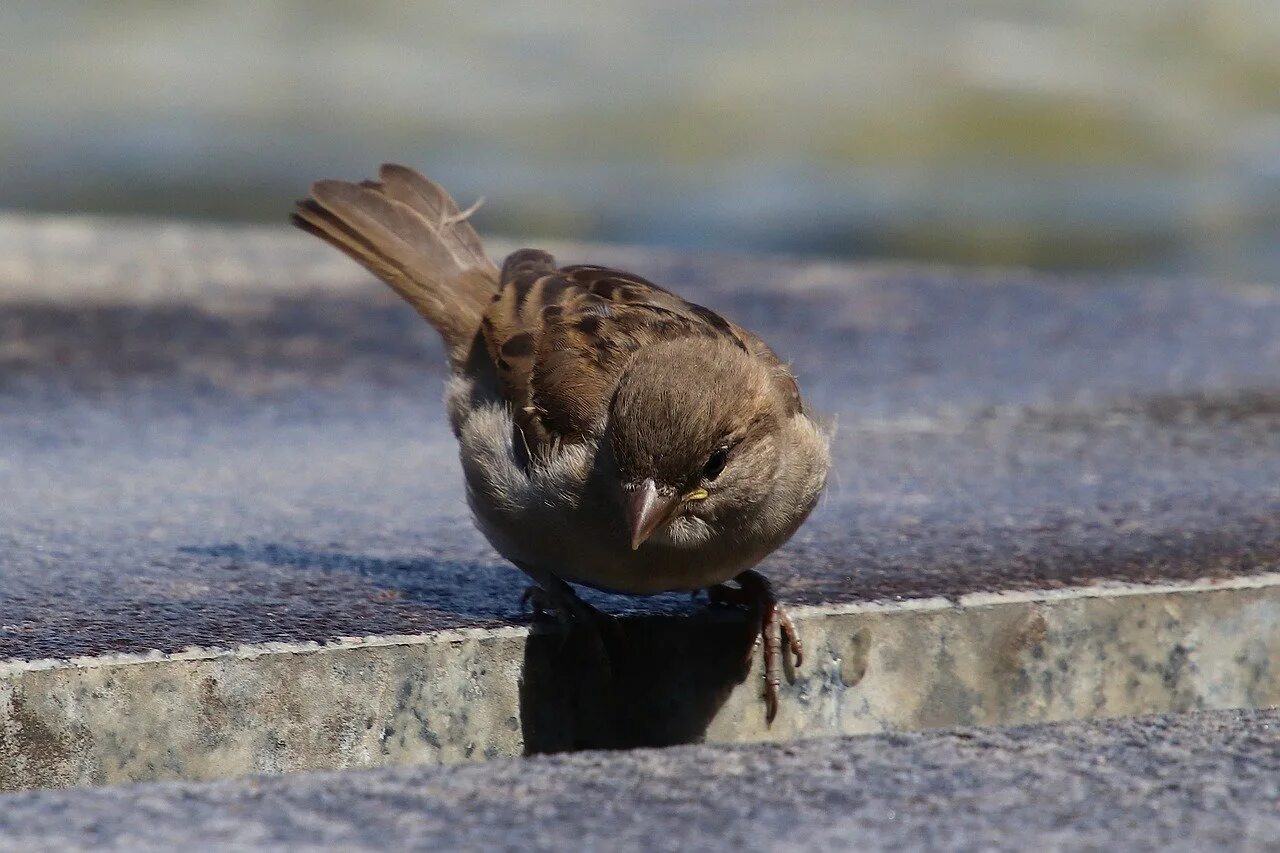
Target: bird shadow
x,y
670,665
663,682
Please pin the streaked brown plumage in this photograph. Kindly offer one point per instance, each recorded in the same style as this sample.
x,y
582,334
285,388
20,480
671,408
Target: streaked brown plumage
x,y
612,434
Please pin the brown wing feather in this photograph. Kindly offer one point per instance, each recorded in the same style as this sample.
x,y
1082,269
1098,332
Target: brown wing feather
x,y
560,337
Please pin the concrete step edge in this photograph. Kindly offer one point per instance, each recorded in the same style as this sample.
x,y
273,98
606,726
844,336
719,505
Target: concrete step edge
x,y
998,658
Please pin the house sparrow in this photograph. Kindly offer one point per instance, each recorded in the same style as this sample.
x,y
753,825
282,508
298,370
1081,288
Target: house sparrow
x,y
611,433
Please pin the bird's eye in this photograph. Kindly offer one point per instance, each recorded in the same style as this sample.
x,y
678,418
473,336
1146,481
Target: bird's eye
x,y
715,464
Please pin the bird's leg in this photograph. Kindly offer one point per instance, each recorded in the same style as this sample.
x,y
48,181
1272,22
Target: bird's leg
x,y
586,669
550,594
539,602
774,629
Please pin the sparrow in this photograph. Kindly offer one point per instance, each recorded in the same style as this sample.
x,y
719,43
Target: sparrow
x,y
611,434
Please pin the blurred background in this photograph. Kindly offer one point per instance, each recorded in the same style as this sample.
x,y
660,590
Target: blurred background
x,y
1116,135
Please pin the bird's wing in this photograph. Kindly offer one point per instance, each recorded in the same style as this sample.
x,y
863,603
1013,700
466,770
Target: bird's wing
x,y
561,336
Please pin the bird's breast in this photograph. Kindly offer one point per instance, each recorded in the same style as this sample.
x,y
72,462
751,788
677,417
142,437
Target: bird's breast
x,y
553,516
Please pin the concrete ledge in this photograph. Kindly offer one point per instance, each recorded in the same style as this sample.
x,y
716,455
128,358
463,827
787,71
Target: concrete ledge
x,y
230,440
452,696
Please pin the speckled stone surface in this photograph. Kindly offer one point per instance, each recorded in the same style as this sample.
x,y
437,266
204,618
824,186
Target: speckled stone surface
x,y
218,436
1194,782
456,696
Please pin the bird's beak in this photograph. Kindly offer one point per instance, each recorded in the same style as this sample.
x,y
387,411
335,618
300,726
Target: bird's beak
x,y
646,511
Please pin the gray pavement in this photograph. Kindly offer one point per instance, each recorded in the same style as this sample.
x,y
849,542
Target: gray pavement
x,y
1191,782
218,436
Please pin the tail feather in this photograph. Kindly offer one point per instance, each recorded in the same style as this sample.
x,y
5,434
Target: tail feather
x,y
407,231
429,199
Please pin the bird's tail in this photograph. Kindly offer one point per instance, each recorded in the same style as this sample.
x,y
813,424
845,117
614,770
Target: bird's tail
x,y
406,230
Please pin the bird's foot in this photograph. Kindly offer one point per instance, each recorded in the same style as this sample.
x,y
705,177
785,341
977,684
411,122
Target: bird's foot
x,y
539,602
774,629
553,597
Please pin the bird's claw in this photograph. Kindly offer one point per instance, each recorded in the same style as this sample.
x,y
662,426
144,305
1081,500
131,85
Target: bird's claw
x,y
540,604
570,611
774,629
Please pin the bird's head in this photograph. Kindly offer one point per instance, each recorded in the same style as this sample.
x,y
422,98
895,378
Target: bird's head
x,y
694,429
